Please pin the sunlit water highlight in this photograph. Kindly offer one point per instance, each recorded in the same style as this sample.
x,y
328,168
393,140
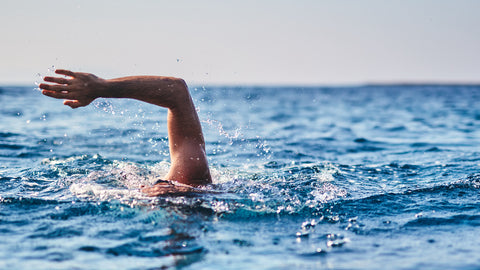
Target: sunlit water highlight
x,y
304,178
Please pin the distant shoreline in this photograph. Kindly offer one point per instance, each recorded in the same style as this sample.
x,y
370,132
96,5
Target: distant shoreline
x,y
308,85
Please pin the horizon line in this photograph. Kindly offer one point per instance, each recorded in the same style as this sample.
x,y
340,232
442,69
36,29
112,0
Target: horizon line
x,y
407,83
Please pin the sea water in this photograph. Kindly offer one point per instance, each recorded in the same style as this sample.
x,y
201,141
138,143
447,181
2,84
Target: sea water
x,y
371,177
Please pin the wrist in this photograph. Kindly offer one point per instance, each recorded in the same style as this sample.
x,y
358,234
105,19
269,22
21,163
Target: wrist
x,y
104,88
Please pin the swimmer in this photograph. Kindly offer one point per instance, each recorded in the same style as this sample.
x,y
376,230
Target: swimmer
x,y
189,166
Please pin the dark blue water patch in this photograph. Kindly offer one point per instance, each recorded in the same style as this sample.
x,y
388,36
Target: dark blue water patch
x,y
9,183
8,134
15,91
365,148
134,249
470,157
111,132
77,165
25,202
23,151
55,257
275,165
161,237
471,220
295,127
179,245
195,206
404,166
11,112
52,221
56,232
68,211
7,224
292,154
427,147
21,212
419,144
311,144
279,117
306,168
434,149
11,146
421,207
361,140
396,129
29,155
116,233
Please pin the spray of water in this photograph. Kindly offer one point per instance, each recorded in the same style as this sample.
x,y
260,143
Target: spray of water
x,y
40,76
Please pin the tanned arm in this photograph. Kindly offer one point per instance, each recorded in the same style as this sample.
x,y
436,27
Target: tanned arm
x,y
187,146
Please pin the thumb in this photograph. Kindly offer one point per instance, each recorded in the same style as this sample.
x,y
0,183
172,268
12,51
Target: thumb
x,y
73,103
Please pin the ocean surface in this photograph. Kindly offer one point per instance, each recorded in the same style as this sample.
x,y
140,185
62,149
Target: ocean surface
x,y
370,177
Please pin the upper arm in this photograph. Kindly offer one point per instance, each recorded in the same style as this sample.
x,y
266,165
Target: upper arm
x,y
189,164
187,145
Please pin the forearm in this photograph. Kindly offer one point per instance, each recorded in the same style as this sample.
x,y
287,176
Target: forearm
x,y
167,92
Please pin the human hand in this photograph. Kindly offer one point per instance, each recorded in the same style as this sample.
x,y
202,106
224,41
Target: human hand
x,y
168,188
79,90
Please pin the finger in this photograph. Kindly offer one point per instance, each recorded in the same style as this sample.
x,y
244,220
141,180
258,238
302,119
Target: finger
x,y
65,72
73,103
58,95
53,87
57,80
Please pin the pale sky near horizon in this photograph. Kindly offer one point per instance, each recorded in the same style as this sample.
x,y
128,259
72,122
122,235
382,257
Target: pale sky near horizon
x,y
244,42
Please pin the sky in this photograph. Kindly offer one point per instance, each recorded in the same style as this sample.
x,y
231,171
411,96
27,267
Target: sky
x,y
248,42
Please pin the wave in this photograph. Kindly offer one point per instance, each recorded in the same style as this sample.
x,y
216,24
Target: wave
x,y
472,220
268,189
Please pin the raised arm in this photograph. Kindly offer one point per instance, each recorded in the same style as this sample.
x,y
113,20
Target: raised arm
x,y
187,146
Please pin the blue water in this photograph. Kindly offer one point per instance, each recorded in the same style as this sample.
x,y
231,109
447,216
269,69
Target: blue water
x,y
373,177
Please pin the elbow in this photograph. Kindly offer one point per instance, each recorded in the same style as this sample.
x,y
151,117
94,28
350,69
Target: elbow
x,y
179,92
175,83
181,83
182,88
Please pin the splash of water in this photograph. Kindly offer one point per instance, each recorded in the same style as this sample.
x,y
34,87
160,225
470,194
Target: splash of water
x,y
39,77
219,126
